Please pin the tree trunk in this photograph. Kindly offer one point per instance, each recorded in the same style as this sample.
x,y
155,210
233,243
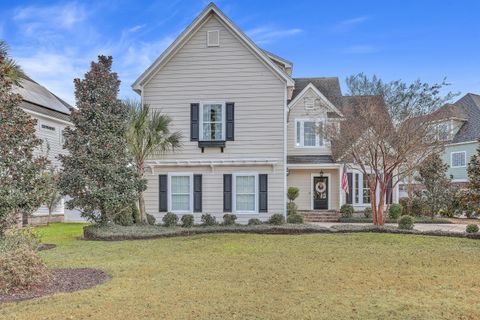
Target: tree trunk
x,y
49,216
141,207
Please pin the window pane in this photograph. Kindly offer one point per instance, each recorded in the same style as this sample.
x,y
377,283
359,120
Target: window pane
x,y
245,202
180,184
212,131
366,190
212,112
458,159
309,134
298,123
180,202
245,184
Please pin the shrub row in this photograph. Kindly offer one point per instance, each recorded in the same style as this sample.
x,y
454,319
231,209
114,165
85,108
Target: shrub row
x,y
187,220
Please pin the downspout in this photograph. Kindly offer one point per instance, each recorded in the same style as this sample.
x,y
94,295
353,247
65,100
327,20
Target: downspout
x,y
285,119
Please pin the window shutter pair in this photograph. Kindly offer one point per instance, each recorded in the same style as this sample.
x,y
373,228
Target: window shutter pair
x,y
262,193
350,188
163,193
195,121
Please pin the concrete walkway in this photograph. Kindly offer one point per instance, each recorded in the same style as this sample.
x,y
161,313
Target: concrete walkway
x,y
418,226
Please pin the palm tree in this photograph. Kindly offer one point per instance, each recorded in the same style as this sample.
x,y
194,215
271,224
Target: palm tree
x,y
148,134
15,72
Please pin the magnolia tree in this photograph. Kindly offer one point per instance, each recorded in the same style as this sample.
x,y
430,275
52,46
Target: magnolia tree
x,y
20,170
97,173
384,129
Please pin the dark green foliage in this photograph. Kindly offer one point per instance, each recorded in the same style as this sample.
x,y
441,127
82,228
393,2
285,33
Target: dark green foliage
x,y
295,218
187,220
170,220
208,220
277,219
293,193
367,213
151,219
291,208
22,182
124,217
229,219
97,159
254,222
406,222
469,198
472,228
418,207
135,213
395,211
346,210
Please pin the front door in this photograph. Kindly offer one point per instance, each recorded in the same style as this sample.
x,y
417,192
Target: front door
x,y
320,193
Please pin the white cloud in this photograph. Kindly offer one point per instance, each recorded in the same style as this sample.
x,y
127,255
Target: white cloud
x,y
349,24
262,35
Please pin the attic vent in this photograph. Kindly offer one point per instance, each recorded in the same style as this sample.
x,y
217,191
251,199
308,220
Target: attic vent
x,y
309,103
213,38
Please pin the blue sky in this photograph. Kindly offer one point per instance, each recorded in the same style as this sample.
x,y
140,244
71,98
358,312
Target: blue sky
x,y
55,41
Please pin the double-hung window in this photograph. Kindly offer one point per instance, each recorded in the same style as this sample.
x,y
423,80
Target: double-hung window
x,y
458,159
181,192
308,134
361,189
212,121
245,192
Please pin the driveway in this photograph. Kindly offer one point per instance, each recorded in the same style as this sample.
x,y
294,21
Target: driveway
x,y
418,226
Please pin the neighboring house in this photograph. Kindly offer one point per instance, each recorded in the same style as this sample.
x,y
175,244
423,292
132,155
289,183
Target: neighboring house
x,y
52,115
249,129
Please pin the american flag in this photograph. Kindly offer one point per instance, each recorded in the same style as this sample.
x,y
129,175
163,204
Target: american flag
x,y
345,179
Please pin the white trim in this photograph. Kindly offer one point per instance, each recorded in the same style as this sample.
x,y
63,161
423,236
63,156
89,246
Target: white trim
x,y
292,103
314,166
234,192
285,152
188,33
209,33
169,191
46,116
213,162
317,145
200,119
459,180
327,175
451,159
459,143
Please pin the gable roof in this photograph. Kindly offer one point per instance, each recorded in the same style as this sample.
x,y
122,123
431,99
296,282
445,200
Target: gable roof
x,y
34,94
470,130
332,108
211,9
328,86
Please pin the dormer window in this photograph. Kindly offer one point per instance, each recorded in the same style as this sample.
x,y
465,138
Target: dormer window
x,y
308,133
443,131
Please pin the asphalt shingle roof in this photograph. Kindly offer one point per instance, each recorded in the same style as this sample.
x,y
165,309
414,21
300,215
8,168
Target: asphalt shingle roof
x,y
470,130
328,86
310,159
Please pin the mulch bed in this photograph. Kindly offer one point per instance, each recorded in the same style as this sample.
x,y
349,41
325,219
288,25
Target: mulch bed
x,y
65,280
46,246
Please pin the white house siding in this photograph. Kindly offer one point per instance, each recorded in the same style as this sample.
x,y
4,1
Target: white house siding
x,y
229,73
212,189
297,111
302,179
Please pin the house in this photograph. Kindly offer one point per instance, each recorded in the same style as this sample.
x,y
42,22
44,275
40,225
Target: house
x,y
249,129
461,121
52,115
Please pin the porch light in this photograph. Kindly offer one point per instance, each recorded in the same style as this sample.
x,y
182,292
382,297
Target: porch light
x,y
321,173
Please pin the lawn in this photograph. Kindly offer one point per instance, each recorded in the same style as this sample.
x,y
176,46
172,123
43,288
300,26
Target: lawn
x,y
240,276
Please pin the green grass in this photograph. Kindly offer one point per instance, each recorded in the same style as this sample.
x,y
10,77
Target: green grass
x,y
240,276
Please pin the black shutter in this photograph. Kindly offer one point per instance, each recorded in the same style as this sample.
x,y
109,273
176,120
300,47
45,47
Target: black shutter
x,y
230,121
350,188
197,193
262,193
227,193
162,193
194,109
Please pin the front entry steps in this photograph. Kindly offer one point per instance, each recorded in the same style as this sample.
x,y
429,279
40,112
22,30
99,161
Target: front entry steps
x,y
320,215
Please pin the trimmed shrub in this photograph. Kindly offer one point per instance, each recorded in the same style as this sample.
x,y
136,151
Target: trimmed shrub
x,y
406,222
277,219
346,210
395,211
367,213
472,228
229,219
151,219
124,218
295,218
293,193
291,208
170,220
187,220
254,222
208,220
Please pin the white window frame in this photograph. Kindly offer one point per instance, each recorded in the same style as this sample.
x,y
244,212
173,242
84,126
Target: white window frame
x,y
224,119
234,191
319,142
180,174
211,32
464,157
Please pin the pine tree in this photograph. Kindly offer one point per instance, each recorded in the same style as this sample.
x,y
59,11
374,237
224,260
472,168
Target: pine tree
x,y
433,175
97,173
20,170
